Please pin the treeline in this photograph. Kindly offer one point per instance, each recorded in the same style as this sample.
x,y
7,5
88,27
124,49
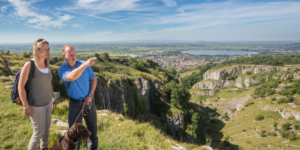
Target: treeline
x,y
266,60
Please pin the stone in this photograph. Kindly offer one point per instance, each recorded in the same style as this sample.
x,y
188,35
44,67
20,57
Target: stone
x,y
12,78
56,94
103,114
61,132
117,118
8,86
60,123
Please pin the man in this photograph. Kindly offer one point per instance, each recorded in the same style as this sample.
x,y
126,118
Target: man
x,y
77,75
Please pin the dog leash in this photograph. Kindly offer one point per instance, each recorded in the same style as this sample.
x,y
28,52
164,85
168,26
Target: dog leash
x,y
81,112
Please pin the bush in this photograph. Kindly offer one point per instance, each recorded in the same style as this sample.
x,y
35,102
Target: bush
x,y
248,72
281,100
263,135
226,138
273,99
284,134
26,55
292,136
275,124
285,126
248,104
259,117
289,100
272,134
297,126
225,117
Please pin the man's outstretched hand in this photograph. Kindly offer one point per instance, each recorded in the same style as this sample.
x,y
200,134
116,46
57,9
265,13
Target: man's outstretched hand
x,y
90,61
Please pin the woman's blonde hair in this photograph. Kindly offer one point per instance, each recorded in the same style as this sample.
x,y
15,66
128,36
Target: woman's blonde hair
x,y
36,48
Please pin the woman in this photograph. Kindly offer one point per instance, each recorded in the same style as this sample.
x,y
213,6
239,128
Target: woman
x,y
40,92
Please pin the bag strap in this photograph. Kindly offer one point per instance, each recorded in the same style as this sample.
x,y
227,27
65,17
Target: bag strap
x,y
31,74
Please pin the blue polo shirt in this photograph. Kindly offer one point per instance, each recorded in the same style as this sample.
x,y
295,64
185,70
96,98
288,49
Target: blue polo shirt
x,y
79,88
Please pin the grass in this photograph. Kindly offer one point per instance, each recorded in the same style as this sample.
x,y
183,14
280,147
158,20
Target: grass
x,y
16,129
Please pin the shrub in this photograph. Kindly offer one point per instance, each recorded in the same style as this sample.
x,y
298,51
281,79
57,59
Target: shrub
x,y
226,138
272,134
273,99
263,131
281,100
284,134
233,110
248,104
285,126
225,117
244,130
275,124
292,136
263,135
297,126
289,100
26,55
259,117
248,72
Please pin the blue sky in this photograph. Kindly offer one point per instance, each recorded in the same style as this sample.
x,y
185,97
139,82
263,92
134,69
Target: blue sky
x,y
141,20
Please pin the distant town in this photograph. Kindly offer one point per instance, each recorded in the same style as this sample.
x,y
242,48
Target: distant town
x,y
185,61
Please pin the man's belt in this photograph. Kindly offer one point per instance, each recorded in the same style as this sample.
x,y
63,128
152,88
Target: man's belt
x,y
77,100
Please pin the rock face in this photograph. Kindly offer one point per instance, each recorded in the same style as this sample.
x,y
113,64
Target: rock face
x,y
214,79
207,85
174,123
205,93
118,95
284,112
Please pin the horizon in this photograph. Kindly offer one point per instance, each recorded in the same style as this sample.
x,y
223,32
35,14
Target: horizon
x,y
90,21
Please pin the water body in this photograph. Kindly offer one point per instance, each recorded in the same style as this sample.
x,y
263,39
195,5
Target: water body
x,y
213,52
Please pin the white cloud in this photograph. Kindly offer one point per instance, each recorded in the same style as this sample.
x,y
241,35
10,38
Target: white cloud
x,y
3,8
23,9
94,7
104,33
170,3
77,26
226,13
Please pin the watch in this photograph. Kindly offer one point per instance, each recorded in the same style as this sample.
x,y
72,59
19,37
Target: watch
x,y
91,95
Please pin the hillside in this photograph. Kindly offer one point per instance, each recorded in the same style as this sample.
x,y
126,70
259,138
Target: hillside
x,y
132,91
258,104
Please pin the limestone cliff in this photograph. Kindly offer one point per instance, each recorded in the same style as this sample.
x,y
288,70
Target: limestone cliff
x,y
284,112
126,96
214,79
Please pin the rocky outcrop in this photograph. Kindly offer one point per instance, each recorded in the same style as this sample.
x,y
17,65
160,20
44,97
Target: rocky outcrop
x,y
205,93
174,123
242,69
208,85
239,82
284,112
118,95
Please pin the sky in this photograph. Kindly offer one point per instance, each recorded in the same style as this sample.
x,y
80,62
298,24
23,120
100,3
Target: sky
x,y
22,21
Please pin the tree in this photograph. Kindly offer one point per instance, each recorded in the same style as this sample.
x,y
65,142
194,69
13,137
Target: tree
x,y
5,63
8,52
26,55
105,56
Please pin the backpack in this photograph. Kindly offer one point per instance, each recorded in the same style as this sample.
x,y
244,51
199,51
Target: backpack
x,y
14,90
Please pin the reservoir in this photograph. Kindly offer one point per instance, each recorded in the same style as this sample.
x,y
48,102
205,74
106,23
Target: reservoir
x,y
213,52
